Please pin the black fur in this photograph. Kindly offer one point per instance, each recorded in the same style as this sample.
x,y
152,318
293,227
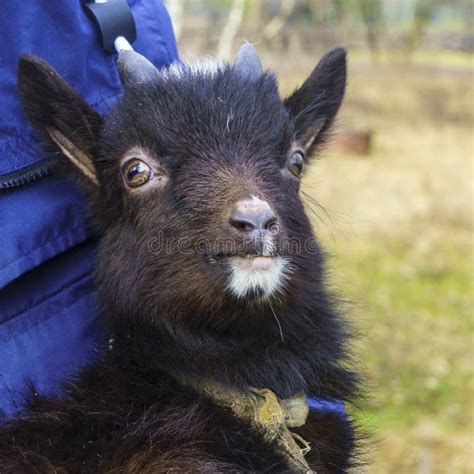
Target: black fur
x,y
218,137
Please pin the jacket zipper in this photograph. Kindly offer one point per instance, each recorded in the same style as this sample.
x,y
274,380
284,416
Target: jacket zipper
x,y
28,174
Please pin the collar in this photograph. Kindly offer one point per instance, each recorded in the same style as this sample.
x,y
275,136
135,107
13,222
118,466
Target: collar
x,y
267,413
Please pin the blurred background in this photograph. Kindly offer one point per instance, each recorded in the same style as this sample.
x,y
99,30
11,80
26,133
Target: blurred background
x,y
391,198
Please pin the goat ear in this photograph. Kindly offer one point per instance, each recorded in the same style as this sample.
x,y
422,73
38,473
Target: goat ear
x,y
314,105
56,110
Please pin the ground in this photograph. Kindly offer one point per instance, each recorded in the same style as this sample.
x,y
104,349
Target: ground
x,y
398,227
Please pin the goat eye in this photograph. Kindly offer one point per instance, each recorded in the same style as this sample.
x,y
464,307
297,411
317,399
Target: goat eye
x,y
136,173
296,163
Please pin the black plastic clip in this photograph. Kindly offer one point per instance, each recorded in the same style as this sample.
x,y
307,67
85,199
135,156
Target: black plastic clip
x,y
114,19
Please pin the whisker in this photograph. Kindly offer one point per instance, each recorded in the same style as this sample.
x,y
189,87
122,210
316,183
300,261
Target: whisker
x,y
278,322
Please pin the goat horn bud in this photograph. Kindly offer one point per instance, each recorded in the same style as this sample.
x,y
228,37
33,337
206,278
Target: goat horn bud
x,y
247,62
135,68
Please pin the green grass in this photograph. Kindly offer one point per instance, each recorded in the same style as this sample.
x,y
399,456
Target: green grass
x,y
415,320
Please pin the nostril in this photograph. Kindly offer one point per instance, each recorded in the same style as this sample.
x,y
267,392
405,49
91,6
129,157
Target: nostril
x,y
241,224
272,225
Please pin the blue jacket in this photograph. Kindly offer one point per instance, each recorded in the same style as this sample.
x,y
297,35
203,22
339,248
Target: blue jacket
x,y
48,324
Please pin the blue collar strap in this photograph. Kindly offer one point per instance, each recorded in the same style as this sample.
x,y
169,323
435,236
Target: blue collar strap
x,y
321,404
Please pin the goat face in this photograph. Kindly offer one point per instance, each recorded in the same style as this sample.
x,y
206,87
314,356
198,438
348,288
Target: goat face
x,y
193,180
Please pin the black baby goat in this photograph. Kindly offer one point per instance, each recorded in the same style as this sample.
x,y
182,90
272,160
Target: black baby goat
x,y
208,273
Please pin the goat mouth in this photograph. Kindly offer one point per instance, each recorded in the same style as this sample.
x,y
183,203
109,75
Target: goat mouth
x,y
250,261
254,262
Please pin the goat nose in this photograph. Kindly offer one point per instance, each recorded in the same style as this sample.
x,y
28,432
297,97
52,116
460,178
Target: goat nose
x,y
253,214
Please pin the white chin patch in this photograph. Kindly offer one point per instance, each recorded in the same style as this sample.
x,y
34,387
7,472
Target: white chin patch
x,y
257,276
